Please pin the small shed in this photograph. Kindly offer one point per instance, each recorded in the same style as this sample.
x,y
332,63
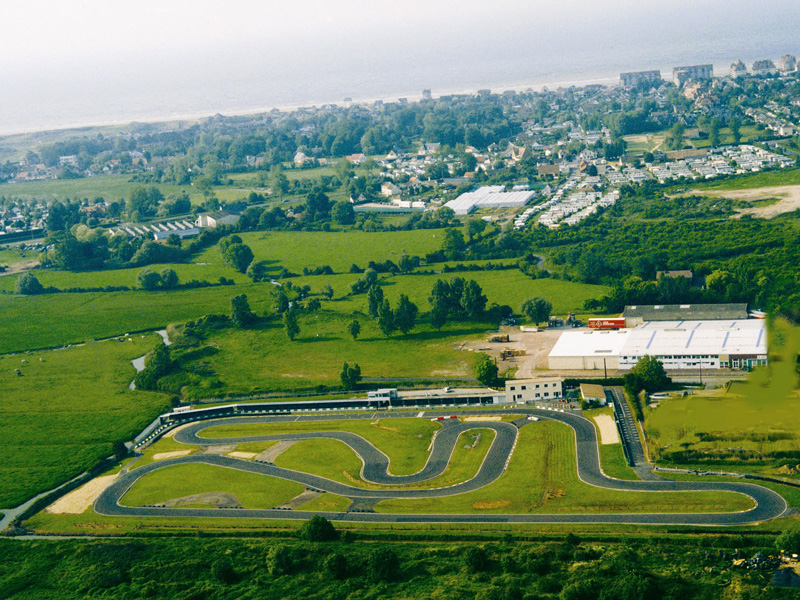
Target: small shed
x,y
593,393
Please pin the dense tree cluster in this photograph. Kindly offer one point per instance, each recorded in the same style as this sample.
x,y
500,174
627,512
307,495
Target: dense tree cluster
x,y
456,300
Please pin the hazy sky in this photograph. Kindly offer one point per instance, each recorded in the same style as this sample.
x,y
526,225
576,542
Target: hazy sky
x,y
64,62
39,33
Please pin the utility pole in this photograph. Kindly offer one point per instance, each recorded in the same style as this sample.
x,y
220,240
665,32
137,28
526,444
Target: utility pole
x,y
605,371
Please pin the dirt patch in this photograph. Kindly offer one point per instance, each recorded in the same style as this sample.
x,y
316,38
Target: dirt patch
x,y
215,499
19,267
608,429
270,454
553,493
244,455
788,199
303,498
532,349
490,505
479,419
77,501
175,454
220,450
385,428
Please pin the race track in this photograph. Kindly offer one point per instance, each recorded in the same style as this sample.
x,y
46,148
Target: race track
x,y
769,505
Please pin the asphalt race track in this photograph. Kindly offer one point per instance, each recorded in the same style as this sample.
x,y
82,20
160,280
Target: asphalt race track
x,y
769,504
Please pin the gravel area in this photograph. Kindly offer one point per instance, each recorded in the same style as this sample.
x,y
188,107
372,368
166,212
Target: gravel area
x,y
77,501
163,455
608,429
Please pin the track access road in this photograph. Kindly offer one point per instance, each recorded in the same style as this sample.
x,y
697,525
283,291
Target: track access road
x,y
769,505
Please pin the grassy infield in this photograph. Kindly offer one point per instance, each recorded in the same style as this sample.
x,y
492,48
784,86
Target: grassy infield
x,y
541,478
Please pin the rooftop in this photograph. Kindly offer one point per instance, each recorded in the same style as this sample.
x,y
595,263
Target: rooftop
x,y
678,312
668,338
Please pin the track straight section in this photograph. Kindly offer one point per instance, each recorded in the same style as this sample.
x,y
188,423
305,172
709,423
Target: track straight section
x,y
769,505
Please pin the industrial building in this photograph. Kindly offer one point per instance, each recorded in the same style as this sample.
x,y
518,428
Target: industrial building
x,y
638,315
490,196
664,333
532,390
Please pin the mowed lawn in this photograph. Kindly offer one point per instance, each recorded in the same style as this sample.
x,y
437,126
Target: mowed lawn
x,y
542,478
335,460
62,414
178,481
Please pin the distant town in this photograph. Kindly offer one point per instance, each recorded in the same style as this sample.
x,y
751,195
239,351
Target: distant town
x,y
564,152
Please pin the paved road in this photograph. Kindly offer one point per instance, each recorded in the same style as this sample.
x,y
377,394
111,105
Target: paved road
x,y
769,504
630,434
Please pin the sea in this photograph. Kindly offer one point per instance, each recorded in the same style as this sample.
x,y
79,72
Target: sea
x,y
499,54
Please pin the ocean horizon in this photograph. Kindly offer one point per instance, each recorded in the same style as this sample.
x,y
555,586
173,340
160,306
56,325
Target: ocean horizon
x,y
252,79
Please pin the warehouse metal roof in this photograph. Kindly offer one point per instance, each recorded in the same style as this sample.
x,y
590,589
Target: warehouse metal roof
x,y
490,196
590,342
691,338
677,312
668,338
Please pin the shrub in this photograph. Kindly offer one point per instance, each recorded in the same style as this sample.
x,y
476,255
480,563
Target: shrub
x,y
318,529
28,285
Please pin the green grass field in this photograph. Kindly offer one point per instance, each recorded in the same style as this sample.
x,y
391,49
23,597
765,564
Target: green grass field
x,y
542,478
756,180
327,458
404,441
63,413
755,421
263,360
252,490
125,277
714,425
339,250
335,460
51,320
109,187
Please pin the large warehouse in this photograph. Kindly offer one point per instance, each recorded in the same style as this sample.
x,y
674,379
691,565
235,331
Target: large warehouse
x,y
489,196
712,344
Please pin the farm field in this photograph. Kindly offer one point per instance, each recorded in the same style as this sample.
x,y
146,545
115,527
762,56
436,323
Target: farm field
x,y
339,250
62,414
126,277
542,478
50,320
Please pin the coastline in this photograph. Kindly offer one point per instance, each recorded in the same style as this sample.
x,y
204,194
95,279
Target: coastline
x,y
552,82
412,96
